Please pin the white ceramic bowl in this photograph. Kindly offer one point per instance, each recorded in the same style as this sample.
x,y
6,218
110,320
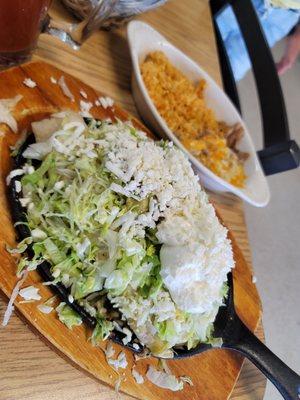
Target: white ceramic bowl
x,y
142,40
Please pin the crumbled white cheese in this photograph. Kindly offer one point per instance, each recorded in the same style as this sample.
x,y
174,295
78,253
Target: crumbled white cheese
x,y
137,376
71,298
30,293
44,308
128,336
83,94
65,89
193,240
59,185
49,283
18,172
254,279
135,346
13,174
53,80
85,109
105,102
75,127
18,186
25,201
29,83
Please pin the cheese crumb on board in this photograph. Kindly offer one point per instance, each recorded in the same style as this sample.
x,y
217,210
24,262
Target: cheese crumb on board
x,y
43,308
29,83
30,293
85,108
65,89
105,102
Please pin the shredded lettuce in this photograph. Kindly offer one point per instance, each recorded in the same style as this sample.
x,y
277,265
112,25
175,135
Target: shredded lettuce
x,y
21,247
68,316
152,282
101,331
38,175
99,237
164,380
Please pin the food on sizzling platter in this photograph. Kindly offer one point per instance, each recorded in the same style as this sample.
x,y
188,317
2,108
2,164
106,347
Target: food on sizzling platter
x,y
182,105
126,227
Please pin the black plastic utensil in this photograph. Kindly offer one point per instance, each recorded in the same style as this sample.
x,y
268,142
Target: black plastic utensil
x,y
227,326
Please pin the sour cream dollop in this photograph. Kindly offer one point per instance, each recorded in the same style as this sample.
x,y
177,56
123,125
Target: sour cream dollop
x,y
195,259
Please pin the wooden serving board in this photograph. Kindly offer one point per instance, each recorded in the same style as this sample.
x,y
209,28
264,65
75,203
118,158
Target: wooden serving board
x,y
213,373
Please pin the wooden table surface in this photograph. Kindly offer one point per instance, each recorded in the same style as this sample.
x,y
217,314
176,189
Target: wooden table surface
x,y
27,365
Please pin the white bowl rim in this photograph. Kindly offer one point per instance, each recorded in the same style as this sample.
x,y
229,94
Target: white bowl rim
x,y
240,192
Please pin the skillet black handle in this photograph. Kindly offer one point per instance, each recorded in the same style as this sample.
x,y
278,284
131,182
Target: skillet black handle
x,y
245,342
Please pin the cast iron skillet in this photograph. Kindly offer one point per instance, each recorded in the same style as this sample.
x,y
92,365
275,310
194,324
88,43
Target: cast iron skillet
x,y
228,326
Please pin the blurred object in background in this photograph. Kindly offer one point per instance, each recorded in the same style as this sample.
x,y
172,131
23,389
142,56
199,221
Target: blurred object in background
x,y
277,20
20,28
122,11
291,53
22,22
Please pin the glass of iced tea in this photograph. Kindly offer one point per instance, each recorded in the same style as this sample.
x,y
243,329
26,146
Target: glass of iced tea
x,y
22,21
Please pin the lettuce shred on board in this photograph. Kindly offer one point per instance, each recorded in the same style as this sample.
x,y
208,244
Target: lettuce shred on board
x,y
6,107
10,307
164,379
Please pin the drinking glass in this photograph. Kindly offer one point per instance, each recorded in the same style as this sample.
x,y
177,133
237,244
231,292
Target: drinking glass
x,y
22,21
